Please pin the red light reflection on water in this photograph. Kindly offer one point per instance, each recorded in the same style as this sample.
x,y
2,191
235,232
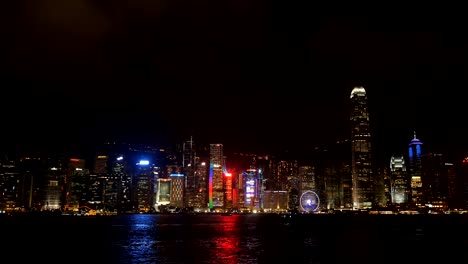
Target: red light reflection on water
x,y
226,246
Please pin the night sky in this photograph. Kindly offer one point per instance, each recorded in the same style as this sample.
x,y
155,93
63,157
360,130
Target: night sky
x,y
260,77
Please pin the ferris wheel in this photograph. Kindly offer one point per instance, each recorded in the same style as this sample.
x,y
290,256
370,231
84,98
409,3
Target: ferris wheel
x,y
309,201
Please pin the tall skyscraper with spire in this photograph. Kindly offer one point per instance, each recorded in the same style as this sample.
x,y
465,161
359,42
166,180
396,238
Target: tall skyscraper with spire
x,y
363,193
415,168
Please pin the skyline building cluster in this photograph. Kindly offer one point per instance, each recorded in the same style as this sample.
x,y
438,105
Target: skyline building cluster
x,y
128,178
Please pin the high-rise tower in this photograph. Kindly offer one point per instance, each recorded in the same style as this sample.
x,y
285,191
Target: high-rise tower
x,y
399,180
361,159
215,180
415,168
189,167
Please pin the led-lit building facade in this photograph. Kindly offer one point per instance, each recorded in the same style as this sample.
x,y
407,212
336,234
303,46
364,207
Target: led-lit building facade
x,y
177,189
399,180
415,169
363,192
252,189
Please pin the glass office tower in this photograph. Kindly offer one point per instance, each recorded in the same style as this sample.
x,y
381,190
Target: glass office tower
x,y
361,162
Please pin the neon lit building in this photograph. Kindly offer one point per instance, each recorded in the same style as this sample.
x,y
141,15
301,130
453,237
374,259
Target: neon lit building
x,y
363,192
252,189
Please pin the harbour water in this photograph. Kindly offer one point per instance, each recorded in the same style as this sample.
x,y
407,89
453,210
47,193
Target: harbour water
x,y
238,238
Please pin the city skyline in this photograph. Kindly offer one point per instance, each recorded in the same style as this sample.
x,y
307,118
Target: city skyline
x,y
255,77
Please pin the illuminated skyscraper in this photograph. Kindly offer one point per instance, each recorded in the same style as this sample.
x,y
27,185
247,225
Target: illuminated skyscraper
x,y
415,168
201,183
363,193
215,180
399,180
177,189
145,182
163,192
189,167
120,172
76,184
228,191
54,183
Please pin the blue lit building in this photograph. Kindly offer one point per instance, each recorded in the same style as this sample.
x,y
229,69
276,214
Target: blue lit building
x,y
415,169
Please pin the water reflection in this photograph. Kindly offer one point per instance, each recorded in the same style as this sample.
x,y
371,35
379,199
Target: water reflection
x,y
185,239
225,246
212,239
135,239
268,239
